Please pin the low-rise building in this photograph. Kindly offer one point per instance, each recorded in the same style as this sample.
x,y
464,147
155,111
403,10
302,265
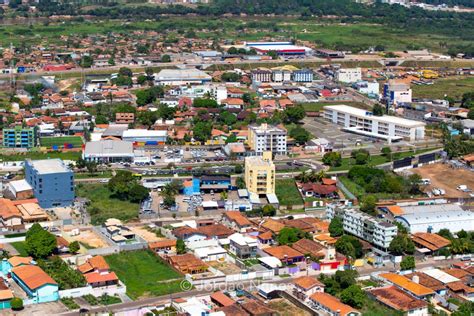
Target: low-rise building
x,y
177,77
349,75
331,305
396,92
236,220
363,122
399,300
417,290
108,151
36,283
145,137
124,118
305,286
187,263
243,246
285,254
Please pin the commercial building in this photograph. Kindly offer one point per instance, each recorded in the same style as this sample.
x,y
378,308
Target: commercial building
x,y
378,233
433,218
370,88
281,48
176,77
303,75
52,182
349,75
267,138
147,137
38,285
395,92
20,137
106,151
262,75
363,122
260,174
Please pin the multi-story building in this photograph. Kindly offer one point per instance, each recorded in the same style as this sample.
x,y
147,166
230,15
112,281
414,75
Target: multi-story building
x,y
303,75
377,232
267,138
395,92
260,174
261,75
362,122
52,182
124,118
20,137
349,75
243,246
281,75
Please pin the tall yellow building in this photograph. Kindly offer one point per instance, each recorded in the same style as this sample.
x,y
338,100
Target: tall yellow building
x,y
260,174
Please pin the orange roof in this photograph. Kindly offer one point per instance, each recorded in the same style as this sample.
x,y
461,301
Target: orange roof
x,y
395,209
397,299
33,276
222,299
332,303
238,218
404,283
98,262
162,243
235,101
17,261
282,252
327,181
8,209
273,225
431,241
307,282
96,277
265,236
6,294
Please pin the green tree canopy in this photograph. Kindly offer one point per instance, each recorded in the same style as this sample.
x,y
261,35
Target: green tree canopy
x,y
407,263
353,296
39,242
336,227
290,235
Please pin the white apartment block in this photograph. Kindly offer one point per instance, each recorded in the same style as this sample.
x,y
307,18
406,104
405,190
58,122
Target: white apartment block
x,y
378,233
349,75
267,138
362,122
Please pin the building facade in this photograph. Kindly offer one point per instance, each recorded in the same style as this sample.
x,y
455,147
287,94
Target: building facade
x,y
262,75
362,122
267,138
397,92
52,182
349,75
19,137
260,174
378,233
303,75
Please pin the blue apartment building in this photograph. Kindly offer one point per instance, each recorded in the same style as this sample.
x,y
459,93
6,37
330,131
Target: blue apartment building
x,y
52,182
20,137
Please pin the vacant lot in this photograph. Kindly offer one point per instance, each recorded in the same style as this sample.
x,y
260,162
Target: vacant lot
x,y
453,87
76,141
287,192
103,205
89,240
20,246
144,274
447,178
286,308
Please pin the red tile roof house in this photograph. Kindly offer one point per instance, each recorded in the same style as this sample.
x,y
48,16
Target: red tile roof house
x,y
305,286
331,305
318,190
285,254
97,272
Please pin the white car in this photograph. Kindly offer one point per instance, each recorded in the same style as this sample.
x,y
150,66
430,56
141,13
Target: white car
x,y
462,187
436,191
441,191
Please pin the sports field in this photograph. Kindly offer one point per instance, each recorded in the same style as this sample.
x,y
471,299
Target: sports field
x,y
76,141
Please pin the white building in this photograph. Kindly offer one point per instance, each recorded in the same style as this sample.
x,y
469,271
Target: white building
x,y
362,122
105,151
267,138
433,218
371,88
378,233
145,136
176,77
349,75
213,253
397,92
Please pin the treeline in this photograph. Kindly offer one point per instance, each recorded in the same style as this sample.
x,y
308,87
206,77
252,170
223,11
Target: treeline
x,y
464,3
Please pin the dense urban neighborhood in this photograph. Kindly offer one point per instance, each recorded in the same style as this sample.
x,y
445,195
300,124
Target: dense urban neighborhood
x,y
237,158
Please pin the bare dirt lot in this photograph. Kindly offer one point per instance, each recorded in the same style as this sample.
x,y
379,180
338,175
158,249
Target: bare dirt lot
x,y
90,239
286,308
144,233
445,177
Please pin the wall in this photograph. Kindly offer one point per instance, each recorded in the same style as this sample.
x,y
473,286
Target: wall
x,y
81,291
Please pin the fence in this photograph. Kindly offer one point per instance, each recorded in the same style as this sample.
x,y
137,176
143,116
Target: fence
x,y
98,291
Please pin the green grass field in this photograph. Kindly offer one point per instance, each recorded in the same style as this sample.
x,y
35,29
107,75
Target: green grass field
x,y
144,274
76,141
20,246
452,87
287,192
103,206
40,155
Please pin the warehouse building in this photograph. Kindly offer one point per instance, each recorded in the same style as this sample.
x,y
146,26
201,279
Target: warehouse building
x,y
177,77
108,151
363,122
281,48
145,137
433,218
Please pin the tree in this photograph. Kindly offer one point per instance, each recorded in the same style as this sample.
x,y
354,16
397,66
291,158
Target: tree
x,y
401,244
180,247
166,112
141,79
273,54
360,156
16,304
137,193
446,233
332,159
289,235
86,62
74,247
349,246
378,110
300,135
335,227
202,131
147,118
39,242
165,58
368,204
353,296
346,278
230,77
125,186
294,114
387,152
268,210
470,114
408,263
465,309
232,51
126,72
91,166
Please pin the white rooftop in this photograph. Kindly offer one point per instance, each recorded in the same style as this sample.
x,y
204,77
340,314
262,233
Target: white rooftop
x,y
272,262
143,133
109,148
209,204
47,166
209,251
440,275
20,186
182,74
242,240
364,114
